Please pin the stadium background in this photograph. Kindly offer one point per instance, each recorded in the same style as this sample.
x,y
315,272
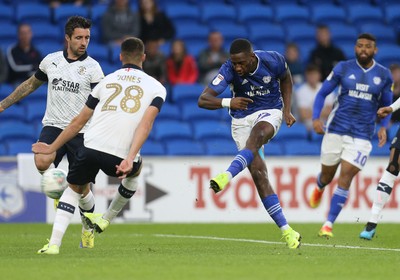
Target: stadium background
x,y
184,136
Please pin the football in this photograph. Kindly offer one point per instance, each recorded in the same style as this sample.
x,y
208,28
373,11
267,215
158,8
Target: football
x,y
54,182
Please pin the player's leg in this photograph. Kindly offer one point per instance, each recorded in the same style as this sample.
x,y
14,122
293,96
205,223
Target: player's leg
x,y
383,191
331,150
86,203
126,190
354,157
250,134
65,212
270,200
81,172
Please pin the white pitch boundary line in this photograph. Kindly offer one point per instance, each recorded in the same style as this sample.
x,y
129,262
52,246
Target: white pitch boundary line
x,y
272,242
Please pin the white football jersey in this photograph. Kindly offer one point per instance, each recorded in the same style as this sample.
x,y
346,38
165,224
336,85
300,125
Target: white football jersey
x,y
123,97
69,85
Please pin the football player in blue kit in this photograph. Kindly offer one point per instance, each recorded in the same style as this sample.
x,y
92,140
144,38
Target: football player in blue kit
x,y
261,88
365,86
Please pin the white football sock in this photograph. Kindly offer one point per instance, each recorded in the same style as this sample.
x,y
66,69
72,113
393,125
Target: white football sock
x,y
86,204
382,195
121,198
65,211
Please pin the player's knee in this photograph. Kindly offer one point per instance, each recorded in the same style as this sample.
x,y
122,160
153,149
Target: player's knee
x,y
393,166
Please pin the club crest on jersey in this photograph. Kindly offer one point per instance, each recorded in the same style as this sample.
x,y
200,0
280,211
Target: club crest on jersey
x,y
217,80
377,80
82,70
266,79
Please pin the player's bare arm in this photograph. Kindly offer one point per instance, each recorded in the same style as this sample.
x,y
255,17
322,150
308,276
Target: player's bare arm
x,y
384,111
23,90
68,133
209,100
318,126
382,136
286,85
142,132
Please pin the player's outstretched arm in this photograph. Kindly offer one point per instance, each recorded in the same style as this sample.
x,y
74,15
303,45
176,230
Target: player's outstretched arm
x,y
24,89
68,133
141,133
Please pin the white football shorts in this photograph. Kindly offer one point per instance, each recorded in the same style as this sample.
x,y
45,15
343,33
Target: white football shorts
x,y
337,147
241,128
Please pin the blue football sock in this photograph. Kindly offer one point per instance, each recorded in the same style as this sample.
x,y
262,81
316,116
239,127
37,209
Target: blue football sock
x,y
273,207
337,202
240,162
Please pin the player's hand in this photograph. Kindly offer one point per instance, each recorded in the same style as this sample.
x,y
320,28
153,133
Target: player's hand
x,y
124,168
289,119
318,126
384,111
240,103
382,136
41,148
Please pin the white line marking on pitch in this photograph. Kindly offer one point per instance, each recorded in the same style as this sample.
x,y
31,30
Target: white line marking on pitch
x,y
273,242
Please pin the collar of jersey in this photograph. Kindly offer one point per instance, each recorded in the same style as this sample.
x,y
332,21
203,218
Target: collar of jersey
x,y
82,57
131,66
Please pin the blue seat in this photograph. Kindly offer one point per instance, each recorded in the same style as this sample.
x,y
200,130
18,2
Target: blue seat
x,y
99,52
8,33
46,33
195,46
97,12
383,33
392,14
109,68
152,148
182,13
192,31
392,131
33,12
269,45
328,14
3,149
251,14
182,93
231,31
15,112
49,47
171,130
35,110
342,32
6,14
220,147
192,112
301,148
313,3
348,49
184,148
18,146
39,95
289,14
388,54
364,13
5,90
298,131
211,130
274,148
380,151
63,12
301,32
17,130
275,33
170,112
215,13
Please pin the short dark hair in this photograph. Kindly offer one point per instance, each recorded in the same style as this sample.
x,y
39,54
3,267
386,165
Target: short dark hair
x,y
132,48
312,67
240,45
76,22
367,36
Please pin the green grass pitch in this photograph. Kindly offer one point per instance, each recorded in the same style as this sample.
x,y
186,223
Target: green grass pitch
x,y
201,251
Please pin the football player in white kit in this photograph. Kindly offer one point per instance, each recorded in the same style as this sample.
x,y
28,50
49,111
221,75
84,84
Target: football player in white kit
x,y
71,75
122,108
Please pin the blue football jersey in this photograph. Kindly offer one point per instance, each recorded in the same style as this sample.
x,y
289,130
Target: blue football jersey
x,y
361,93
262,85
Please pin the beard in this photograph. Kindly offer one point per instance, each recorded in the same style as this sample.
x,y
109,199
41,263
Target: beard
x,y
364,60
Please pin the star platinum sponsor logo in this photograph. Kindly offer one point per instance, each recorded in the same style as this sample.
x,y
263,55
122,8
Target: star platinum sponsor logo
x,y
64,85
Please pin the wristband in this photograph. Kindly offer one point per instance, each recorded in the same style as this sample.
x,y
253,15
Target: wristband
x,y
226,102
